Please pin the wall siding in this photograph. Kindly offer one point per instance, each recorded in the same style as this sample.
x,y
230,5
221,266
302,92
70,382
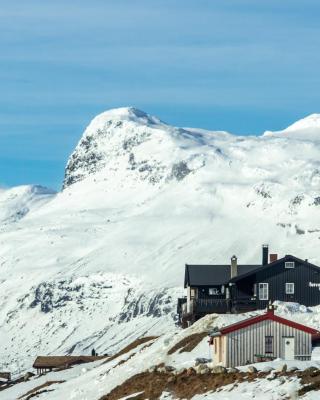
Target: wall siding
x,y
277,276
244,343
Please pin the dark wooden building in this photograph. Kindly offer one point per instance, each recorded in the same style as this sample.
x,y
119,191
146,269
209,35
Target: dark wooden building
x,y
239,288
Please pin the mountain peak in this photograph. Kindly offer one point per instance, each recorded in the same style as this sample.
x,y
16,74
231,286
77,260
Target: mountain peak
x,y
122,139
131,114
311,121
307,128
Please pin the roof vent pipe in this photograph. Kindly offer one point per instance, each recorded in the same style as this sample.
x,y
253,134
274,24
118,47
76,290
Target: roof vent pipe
x,y
234,266
265,254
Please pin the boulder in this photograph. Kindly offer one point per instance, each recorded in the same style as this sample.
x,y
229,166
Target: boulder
x,y
233,370
282,368
218,369
153,368
162,370
204,371
201,360
169,368
252,369
200,367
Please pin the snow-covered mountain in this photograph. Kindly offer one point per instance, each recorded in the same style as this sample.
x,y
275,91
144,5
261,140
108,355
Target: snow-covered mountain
x,y
102,262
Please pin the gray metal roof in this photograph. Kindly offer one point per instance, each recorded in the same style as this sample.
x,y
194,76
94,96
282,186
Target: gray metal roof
x,y
207,275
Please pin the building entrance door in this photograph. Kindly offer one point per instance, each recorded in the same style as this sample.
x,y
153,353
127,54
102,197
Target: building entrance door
x,y
288,345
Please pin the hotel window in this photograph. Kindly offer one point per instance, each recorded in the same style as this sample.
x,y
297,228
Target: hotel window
x,y
268,344
263,291
289,264
289,288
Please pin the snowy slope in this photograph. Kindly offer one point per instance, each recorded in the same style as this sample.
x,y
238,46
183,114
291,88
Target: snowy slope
x,y
16,203
305,129
93,380
102,262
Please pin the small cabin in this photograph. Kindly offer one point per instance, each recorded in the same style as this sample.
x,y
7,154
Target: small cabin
x,y
44,364
261,338
237,288
5,376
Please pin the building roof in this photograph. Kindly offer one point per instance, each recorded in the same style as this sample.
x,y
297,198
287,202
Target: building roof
x,y
206,275
288,257
63,361
269,315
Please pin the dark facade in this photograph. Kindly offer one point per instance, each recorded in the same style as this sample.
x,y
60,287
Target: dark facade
x,y
240,288
288,279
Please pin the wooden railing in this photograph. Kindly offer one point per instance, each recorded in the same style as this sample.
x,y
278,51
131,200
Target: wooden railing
x,y
220,306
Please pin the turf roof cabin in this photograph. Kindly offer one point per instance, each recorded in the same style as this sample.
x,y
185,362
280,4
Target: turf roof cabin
x,y
45,364
239,288
261,338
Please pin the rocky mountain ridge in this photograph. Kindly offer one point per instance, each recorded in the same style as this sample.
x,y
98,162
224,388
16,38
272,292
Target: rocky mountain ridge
x,y
141,198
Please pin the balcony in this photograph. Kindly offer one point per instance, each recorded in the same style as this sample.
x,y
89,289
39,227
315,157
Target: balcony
x,y
200,307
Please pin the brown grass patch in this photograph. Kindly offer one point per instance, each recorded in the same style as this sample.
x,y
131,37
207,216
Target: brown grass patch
x,y
310,379
132,346
188,343
188,384
37,390
182,386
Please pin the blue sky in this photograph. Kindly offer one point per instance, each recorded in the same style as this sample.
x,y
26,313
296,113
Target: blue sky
x,y
238,65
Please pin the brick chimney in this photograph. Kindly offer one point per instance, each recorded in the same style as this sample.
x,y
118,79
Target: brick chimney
x,y
270,308
234,266
265,254
273,258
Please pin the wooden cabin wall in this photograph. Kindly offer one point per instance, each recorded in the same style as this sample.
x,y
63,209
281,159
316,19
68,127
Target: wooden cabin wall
x,y
244,343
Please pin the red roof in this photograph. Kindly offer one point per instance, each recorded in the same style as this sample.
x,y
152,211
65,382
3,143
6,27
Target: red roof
x,y
269,315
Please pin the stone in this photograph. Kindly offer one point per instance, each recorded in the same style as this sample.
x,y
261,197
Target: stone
x,y
200,367
282,368
218,369
204,371
153,368
252,369
190,371
201,360
181,371
162,370
169,368
233,370
267,369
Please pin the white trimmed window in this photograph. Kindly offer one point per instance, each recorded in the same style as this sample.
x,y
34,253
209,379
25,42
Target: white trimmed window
x,y
289,264
263,291
289,288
